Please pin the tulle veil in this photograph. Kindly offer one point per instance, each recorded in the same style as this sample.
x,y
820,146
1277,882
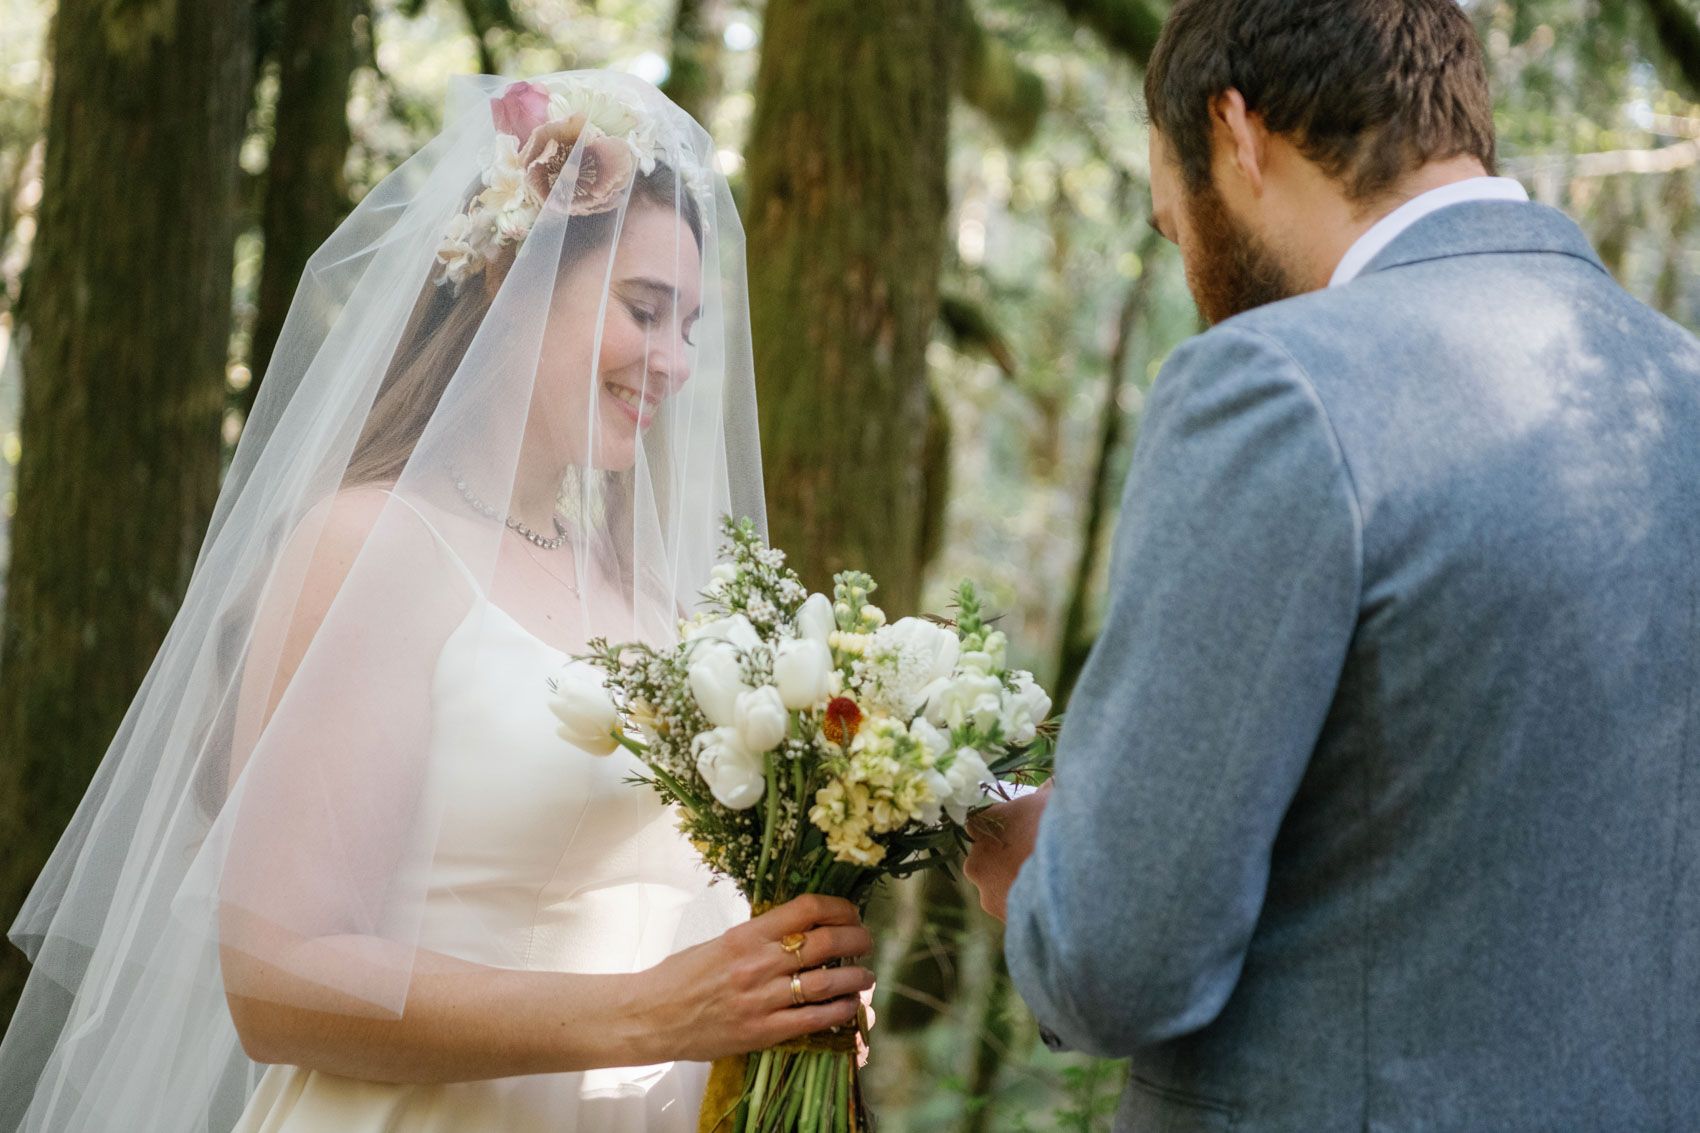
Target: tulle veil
x,y
458,358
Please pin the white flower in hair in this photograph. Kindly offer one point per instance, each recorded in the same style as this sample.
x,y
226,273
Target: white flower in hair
x,y
460,254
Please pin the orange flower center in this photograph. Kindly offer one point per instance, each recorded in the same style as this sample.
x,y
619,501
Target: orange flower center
x,y
843,718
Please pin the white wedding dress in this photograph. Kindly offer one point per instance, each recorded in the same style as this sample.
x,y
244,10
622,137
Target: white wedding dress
x,y
544,853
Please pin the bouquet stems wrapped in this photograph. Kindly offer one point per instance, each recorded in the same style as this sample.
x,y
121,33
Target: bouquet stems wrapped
x,y
810,747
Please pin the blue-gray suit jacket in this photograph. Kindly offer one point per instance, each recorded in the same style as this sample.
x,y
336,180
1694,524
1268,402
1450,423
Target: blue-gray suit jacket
x,y
1378,802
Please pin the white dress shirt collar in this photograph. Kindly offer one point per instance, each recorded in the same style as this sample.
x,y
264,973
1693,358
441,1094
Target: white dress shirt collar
x,y
1385,230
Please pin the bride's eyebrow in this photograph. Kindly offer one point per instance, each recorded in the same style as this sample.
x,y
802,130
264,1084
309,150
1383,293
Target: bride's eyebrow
x,y
664,291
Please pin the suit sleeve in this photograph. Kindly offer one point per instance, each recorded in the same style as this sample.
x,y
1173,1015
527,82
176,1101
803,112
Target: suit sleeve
x,y
1233,598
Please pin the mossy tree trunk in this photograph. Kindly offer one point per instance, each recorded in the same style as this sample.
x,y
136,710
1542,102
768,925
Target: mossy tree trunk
x,y
845,225
124,324
306,191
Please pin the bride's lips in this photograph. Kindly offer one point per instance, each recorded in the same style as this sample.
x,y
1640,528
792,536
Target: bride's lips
x,y
640,407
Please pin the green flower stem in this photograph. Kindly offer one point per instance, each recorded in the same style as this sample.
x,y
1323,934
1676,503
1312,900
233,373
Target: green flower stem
x,y
788,1115
764,1065
846,1068
805,1091
772,821
818,1066
685,797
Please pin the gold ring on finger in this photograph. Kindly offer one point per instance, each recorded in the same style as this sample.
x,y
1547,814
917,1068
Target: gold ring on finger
x,y
793,943
797,999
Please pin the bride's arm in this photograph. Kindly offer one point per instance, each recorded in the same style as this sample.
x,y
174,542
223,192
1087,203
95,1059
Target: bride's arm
x,y
302,992
464,1021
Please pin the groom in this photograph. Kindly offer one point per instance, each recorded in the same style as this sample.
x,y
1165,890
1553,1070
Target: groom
x,y
1378,803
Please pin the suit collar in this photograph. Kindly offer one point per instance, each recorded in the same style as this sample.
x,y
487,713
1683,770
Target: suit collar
x,y
1485,228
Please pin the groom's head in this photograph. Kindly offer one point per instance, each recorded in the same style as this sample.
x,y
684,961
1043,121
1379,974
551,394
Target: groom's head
x,y
1281,129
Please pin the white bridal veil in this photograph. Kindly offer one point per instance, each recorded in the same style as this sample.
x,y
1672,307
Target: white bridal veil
x,y
520,369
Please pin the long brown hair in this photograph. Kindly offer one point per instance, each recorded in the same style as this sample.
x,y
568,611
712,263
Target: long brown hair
x,y
442,325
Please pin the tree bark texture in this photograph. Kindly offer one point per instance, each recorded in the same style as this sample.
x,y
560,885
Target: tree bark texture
x,y
124,322
845,225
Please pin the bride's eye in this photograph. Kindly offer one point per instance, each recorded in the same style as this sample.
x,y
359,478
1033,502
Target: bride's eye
x,y
643,315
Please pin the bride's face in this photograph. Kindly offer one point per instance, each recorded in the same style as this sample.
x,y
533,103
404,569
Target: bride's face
x,y
594,399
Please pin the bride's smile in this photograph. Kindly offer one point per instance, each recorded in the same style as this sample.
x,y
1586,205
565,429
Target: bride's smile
x,y
640,354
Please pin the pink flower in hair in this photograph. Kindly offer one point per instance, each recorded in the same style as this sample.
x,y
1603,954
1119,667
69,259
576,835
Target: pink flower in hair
x,y
522,108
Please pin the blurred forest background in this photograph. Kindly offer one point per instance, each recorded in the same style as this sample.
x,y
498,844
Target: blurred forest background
x,y
166,168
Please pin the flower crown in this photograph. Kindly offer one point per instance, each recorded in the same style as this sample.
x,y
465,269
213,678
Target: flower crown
x,y
537,126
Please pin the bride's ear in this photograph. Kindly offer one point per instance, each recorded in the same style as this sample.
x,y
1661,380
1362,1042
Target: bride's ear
x,y
1239,138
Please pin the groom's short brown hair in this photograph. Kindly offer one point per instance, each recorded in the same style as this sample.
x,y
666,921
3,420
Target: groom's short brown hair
x,y
1367,89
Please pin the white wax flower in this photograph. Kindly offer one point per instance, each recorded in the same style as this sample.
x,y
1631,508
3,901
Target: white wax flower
x,y
802,669
815,620
734,774
586,711
717,680
761,719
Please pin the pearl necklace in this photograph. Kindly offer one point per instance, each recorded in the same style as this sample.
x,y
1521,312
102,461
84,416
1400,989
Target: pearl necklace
x,y
490,512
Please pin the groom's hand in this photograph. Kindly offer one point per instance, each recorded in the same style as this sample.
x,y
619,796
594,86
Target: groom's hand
x,y
1002,838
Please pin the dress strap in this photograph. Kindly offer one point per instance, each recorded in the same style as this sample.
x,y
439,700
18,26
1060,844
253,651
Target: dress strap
x,y
454,556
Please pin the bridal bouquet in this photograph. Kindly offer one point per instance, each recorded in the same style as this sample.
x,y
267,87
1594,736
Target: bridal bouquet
x,y
811,747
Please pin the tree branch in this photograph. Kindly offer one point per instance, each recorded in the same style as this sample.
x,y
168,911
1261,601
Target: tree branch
x,y
992,80
1131,26
1679,35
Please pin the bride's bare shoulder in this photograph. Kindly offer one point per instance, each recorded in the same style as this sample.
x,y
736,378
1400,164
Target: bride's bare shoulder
x,y
367,520
349,517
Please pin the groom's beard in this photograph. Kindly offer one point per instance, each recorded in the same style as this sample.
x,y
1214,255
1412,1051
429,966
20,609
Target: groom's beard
x,y
1234,270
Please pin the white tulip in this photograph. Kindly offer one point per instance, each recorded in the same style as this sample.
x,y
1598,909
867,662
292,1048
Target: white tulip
x,y
734,774
586,711
815,620
717,680
735,630
802,668
761,719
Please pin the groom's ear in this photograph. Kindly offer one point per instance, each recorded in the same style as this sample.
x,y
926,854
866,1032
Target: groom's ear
x,y
1238,138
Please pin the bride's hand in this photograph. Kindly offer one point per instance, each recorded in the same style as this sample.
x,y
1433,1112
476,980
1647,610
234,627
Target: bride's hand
x,y
733,994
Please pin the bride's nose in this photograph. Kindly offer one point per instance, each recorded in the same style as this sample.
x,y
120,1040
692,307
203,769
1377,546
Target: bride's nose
x,y
668,362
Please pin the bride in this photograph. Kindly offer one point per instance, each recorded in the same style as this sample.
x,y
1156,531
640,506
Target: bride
x,y
337,870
